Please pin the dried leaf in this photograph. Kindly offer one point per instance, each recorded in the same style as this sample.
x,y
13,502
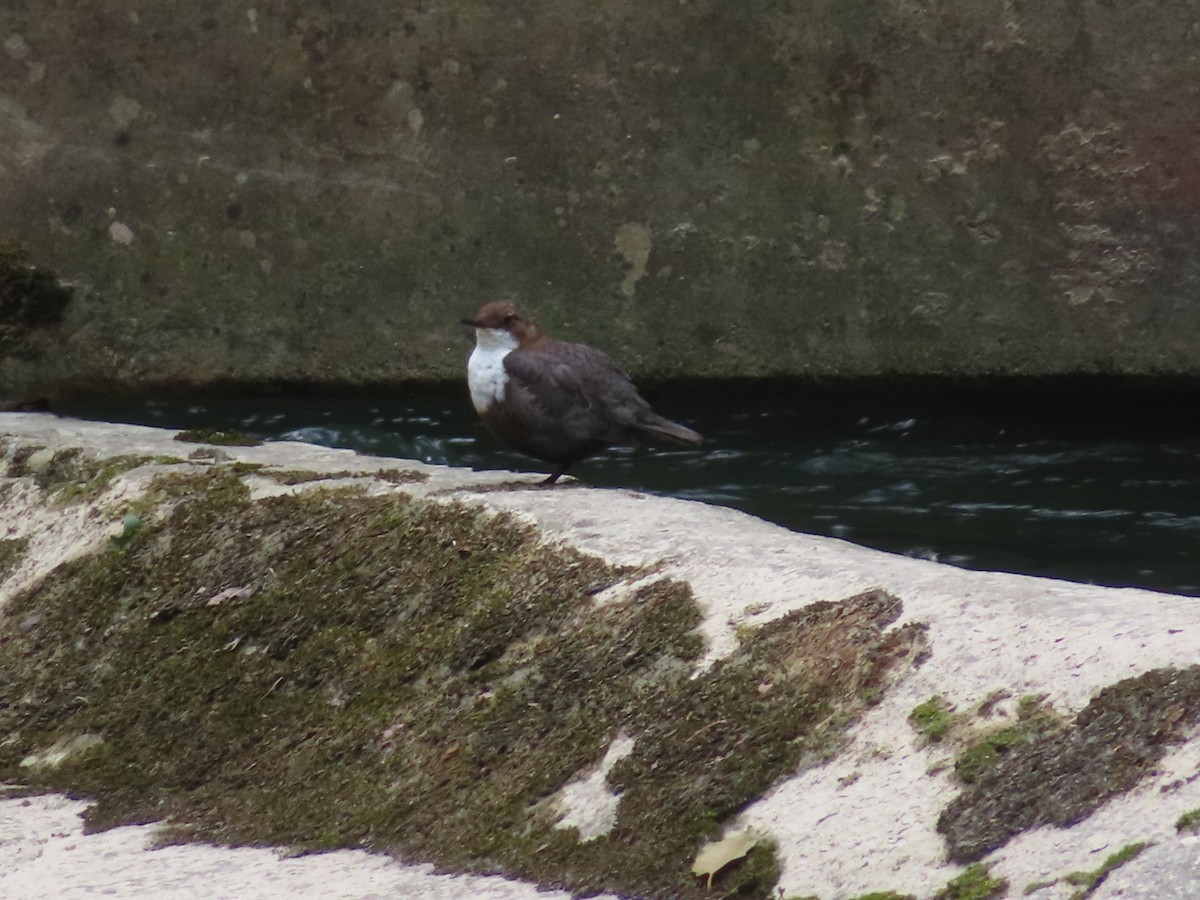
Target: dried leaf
x,y
716,855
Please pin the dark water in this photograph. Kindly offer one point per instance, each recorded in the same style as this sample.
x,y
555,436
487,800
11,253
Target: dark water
x,y
1088,485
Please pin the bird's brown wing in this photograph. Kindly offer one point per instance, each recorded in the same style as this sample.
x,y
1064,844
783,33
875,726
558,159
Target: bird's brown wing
x,y
577,387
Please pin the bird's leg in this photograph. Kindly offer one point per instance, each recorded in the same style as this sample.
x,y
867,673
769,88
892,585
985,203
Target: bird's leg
x,y
549,482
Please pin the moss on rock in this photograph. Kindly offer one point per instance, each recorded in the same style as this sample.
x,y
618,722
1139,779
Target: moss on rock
x,y
1189,821
70,475
337,670
975,883
221,437
11,551
303,476
1088,882
1061,776
986,749
932,719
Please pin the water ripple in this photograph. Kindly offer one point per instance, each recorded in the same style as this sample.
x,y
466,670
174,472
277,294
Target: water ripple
x,y
1087,488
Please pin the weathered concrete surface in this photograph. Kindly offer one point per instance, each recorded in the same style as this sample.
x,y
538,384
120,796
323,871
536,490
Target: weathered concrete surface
x,y
308,192
45,854
865,819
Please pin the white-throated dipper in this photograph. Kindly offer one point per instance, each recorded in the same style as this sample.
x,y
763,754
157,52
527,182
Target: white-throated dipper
x,y
553,400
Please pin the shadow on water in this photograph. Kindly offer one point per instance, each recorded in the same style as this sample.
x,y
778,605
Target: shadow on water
x,y
1070,482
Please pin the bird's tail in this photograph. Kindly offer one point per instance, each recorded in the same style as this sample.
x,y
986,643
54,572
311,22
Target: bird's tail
x,y
654,424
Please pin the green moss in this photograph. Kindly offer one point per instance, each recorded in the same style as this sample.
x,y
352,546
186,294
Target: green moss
x,y
1089,881
1060,775
11,551
302,476
975,883
238,467
1031,706
338,670
224,437
69,475
401,476
17,459
1189,821
1033,723
932,719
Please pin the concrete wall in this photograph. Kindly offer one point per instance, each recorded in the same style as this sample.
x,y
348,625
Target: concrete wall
x,y
318,191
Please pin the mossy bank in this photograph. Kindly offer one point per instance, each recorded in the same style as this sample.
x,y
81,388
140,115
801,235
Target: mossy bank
x,y
288,645
330,669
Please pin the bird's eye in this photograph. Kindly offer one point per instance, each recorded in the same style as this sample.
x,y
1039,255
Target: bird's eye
x,y
510,318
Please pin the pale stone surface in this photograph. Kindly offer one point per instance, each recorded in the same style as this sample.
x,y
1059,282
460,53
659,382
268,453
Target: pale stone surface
x,y
43,854
866,820
587,803
1167,871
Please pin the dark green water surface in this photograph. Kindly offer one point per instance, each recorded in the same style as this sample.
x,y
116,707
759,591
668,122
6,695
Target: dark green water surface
x,y
1082,484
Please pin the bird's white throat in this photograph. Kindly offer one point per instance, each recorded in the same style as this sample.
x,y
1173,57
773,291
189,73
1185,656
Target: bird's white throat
x,y
485,369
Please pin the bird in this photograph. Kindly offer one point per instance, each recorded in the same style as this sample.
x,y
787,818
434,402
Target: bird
x,y
556,401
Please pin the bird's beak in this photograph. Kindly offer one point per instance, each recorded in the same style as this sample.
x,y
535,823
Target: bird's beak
x,y
470,322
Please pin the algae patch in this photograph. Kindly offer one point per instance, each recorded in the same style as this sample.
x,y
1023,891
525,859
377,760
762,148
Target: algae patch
x,y
932,719
11,551
332,669
1089,881
1034,722
62,750
70,475
1059,775
217,436
975,883
1189,821
303,476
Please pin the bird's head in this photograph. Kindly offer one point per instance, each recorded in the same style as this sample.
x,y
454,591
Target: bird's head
x,y
501,320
